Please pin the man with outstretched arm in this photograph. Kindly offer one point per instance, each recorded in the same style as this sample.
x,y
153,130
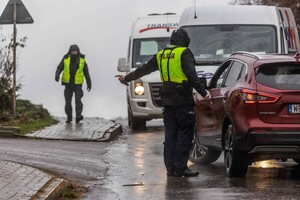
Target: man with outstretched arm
x,y
176,64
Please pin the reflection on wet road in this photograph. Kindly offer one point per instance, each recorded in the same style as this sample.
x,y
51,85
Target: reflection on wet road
x,y
137,158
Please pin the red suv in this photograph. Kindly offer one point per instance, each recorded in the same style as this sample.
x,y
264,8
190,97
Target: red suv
x,y
254,113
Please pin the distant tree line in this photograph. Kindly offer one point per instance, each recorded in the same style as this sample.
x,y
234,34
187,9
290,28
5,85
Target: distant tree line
x,y
293,4
6,72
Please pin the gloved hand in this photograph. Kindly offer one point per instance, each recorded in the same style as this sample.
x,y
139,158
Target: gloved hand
x,y
89,87
122,79
208,96
56,78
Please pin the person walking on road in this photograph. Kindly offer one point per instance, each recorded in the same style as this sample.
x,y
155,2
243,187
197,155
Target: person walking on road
x,y
74,68
176,64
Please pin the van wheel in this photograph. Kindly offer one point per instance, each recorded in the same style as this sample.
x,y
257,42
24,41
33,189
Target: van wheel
x,y
236,161
138,124
200,154
129,116
135,123
297,160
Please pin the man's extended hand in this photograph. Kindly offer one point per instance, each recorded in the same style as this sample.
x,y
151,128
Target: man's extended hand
x,y
122,79
89,87
56,78
208,95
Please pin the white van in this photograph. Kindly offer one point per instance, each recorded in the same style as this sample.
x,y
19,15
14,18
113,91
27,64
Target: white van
x,y
218,31
149,35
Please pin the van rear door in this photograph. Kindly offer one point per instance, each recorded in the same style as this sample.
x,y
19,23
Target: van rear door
x,y
288,31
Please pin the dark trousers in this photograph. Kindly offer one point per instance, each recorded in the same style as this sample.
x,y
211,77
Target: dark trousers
x,y
77,90
180,123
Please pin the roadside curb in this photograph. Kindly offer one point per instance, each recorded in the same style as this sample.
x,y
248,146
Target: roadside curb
x,y
105,131
21,181
9,132
112,133
52,190
89,130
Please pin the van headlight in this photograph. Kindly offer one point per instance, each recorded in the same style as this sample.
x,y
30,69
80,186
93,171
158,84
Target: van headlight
x,y
139,88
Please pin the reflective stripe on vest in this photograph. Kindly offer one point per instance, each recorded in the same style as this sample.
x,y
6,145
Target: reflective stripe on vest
x,y
79,76
169,64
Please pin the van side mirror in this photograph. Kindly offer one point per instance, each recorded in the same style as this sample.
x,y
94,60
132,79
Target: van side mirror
x,y
122,65
203,82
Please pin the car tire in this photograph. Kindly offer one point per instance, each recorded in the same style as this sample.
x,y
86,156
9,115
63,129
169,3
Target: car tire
x,y
135,123
236,161
297,160
200,154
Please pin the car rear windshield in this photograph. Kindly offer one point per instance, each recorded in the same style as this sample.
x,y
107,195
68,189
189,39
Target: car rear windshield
x,y
283,76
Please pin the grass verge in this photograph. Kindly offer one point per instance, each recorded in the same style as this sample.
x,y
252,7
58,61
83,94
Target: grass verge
x,y
34,125
29,117
73,192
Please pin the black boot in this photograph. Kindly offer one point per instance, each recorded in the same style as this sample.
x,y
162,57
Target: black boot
x,y
170,173
69,120
186,173
79,118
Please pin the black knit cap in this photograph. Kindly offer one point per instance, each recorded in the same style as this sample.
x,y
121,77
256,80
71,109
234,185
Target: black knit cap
x,y
74,47
180,38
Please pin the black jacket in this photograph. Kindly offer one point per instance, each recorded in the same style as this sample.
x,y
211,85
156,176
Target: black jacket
x,y
74,65
178,38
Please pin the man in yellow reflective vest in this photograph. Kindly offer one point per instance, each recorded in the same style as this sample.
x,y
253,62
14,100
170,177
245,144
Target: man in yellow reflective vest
x,y
74,69
176,64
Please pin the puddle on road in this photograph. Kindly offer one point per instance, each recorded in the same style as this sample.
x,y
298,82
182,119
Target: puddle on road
x,y
266,164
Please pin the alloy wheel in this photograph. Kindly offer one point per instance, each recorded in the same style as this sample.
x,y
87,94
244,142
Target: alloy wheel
x,y
228,148
198,150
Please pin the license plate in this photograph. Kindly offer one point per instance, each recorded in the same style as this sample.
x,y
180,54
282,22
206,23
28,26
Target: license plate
x,y
294,108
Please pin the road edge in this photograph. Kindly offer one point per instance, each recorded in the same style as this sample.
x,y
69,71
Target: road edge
x,y
52,190
9,131
112,133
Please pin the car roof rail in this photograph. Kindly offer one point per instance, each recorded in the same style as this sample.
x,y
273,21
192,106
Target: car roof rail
x,y
245,53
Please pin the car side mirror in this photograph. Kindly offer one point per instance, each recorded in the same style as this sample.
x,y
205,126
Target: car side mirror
x,y
122,65
203,82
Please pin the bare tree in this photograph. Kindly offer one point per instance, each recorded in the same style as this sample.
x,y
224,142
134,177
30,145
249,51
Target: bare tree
x,y
6,70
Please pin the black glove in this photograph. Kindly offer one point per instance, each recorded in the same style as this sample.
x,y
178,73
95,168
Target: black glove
x,y
56,78
89,87
122,79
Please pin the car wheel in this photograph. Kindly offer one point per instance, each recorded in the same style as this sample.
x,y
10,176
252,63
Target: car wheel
x,y
200,154
297,160
135,123
236,161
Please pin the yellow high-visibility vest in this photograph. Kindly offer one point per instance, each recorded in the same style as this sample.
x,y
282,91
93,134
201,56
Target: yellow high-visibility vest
x,y
79,76
169,64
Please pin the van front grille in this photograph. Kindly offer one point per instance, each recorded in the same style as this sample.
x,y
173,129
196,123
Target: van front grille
x,y
155,89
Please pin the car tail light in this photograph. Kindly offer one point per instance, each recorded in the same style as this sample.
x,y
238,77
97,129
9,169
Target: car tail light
x,y
251,96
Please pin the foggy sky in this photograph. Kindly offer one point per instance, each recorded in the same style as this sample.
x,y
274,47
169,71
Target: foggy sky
x,y
101,28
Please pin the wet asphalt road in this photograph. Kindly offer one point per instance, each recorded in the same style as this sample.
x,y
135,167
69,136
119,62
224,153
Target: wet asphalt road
x,y
110,170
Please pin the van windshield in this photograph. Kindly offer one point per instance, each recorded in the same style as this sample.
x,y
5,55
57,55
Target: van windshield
x,y
144,49
213,44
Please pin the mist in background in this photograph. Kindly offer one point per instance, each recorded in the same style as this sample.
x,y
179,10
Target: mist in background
x,y
101,29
